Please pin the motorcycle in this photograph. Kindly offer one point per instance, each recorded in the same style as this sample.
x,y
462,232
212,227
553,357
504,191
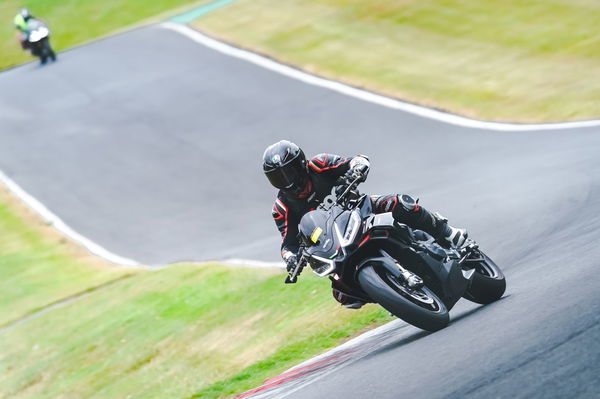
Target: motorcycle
x,y
38,40
379,260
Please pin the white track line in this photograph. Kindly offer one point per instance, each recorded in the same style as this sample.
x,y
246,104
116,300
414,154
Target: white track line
x,y
252,263
59,225
365,95
56,222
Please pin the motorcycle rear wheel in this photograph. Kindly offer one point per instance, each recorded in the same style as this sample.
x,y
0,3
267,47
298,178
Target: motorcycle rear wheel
x,y
488,284
421,308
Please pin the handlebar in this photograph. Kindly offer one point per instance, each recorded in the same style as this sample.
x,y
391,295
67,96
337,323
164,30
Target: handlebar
x,y
352,185
292,276
336,199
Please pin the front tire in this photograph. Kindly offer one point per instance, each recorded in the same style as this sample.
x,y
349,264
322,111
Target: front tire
x,y
421,308
48,48
488,284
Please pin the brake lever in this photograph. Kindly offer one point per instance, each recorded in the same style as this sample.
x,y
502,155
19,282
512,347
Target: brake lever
x,y
467,251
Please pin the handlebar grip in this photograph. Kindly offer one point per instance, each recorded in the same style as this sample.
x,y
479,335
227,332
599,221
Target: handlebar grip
x,y
293,276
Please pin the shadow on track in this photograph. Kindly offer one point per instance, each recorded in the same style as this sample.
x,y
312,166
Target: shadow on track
x,y
393,345
477,309
422,334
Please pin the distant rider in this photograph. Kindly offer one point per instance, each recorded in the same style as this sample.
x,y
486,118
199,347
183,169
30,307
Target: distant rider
x,y
21,21
304,184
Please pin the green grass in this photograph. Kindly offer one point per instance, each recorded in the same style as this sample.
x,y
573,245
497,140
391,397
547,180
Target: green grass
x,y
183,331
38,267
509,60
77,21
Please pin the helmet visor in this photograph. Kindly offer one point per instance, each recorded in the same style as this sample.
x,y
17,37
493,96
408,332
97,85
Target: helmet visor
x,y
290,176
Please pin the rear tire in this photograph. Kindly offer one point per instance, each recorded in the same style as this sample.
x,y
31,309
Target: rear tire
x,y
422,309
488,284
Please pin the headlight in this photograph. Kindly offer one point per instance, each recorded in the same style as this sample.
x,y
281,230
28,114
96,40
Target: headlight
x,y
321,266
351,230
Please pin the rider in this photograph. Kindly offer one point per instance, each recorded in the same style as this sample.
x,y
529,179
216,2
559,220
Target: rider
x,y
304,184
21,20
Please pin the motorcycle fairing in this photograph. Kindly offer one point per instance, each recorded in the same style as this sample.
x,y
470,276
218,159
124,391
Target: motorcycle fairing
x,y
419,253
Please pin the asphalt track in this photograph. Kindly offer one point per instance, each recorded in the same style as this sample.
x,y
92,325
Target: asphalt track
x,y
150,145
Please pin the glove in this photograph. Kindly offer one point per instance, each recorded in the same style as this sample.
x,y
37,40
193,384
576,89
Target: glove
x,y
358,172
290,263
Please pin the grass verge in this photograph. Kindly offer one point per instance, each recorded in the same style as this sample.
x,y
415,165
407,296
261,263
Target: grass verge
x,y
183,331
73,22
38,266
506,60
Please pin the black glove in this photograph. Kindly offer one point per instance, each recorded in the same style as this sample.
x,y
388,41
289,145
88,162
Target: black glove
x,y
290,263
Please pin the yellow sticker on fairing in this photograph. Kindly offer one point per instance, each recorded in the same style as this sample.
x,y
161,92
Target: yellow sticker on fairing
x,y
314,237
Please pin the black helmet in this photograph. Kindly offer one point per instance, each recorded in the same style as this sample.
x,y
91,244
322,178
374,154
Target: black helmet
x,y
284,165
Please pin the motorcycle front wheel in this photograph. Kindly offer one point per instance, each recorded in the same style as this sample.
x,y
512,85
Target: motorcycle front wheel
x,y
419,307
49,51
44,51
488,284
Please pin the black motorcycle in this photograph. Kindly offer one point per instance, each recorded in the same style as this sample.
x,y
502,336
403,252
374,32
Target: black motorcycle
x,y
379,260
38,41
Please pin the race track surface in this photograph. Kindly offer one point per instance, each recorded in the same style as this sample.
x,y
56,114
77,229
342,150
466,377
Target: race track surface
x,y
150,145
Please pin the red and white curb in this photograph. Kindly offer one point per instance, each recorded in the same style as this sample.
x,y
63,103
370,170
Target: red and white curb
x,y
329,362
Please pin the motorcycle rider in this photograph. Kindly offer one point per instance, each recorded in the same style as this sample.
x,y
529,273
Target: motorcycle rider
x,y
21,20
303,184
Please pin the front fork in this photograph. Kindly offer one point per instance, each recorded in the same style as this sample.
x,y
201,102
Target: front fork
x,y
412,280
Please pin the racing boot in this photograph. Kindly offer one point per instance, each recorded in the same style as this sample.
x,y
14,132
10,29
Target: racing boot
x,y
409,212
456,238
354,305
346,300
340,293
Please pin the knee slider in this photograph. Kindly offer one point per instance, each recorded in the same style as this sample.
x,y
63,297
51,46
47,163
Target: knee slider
x,y
407,211
408,203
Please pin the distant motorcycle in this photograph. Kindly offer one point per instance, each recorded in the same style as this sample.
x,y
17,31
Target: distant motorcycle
x,y
386,262
38,41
